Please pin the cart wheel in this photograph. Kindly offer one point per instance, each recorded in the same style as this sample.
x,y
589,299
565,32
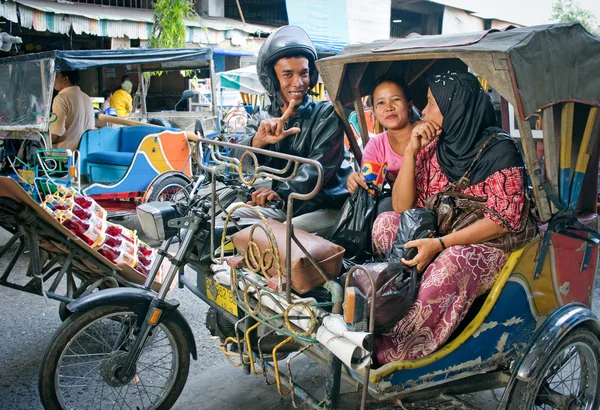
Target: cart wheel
x,y
569,379
80,369
170,189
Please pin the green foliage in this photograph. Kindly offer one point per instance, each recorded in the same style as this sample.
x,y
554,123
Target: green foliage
x,y
168,30
567,11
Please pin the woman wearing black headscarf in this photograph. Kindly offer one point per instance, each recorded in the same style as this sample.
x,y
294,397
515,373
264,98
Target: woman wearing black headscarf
x,y
465,268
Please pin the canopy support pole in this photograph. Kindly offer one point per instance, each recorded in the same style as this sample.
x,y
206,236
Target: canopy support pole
x,y
349,133
143,88
212,87
566,137
583,157
550,127
355,75
534,170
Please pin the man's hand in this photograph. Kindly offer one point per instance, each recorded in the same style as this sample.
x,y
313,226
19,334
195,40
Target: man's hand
x,y
423,133
271,131
355,180
426,251
261,196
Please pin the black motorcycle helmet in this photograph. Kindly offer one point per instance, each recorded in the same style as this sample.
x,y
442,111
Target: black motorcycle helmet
x,y
286,41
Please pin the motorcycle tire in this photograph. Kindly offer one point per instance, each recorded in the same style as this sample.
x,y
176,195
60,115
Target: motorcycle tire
x,y
64,372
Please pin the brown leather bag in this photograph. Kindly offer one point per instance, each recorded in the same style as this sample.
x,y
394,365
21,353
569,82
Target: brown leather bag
x,y
456,211
305,276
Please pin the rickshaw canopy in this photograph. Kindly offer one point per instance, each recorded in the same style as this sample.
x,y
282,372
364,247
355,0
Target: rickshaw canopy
x,y
27,81
154,58
551,68
531,67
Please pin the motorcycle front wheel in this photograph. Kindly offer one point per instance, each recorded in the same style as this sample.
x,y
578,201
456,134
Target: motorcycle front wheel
x,y
80,369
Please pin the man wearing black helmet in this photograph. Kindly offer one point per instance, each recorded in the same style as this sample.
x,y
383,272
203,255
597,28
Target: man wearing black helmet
x,y
296,124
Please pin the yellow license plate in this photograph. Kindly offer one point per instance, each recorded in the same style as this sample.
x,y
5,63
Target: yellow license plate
x,y
221,296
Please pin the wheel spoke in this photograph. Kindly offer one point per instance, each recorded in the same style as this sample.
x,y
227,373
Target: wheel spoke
x,y
85,376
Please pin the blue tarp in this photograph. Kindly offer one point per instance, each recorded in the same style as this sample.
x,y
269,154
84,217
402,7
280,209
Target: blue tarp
x,y
235,53
325,21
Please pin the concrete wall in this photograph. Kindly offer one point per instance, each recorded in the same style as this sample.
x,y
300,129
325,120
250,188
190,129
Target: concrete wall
x,y
212,8
368,21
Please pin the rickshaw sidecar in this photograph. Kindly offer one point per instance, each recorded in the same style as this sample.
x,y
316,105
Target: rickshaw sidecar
x,y
133,161
541,300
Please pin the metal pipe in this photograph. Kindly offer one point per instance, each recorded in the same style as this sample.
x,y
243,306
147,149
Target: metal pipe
x,y
334,374
365,392
122,121
143,87
156,265
174,268
212,87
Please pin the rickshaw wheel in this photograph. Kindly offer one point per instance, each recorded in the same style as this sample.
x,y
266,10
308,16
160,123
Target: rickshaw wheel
x,y
168,188
569,379
82,364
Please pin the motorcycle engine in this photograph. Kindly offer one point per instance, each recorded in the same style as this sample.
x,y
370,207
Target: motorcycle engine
x,y
218,325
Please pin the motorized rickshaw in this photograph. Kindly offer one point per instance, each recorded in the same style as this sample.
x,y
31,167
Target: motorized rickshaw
x,y
117,166
533,333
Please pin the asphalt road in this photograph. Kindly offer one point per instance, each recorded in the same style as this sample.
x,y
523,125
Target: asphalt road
x,y
27,323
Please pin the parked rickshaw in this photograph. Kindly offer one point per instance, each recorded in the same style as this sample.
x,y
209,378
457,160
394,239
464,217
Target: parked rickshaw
x,y
118,166
532,334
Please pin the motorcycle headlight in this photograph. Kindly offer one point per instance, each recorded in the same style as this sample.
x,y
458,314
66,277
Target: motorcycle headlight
x,y
154,218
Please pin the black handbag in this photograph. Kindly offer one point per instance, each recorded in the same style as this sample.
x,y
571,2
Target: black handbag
x,y
397,285
352,228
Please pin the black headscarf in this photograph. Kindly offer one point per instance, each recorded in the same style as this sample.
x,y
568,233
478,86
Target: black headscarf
x,y
469,119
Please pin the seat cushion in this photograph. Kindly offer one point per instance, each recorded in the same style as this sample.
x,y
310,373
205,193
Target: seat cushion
x,y
132,136
111,158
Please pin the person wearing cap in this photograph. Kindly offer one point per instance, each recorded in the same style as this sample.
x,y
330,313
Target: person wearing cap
x,y
296,124
121,99
74,111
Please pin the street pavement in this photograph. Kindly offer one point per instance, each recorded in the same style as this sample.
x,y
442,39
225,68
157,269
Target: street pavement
x,y
27,324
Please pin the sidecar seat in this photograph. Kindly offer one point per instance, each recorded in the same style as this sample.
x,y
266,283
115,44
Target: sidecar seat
x,y
106,153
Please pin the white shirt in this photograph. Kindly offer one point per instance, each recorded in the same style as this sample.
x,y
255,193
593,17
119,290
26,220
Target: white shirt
x,y
75,115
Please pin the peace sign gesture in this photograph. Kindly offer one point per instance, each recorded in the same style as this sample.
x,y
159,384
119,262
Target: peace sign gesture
x,y
270,131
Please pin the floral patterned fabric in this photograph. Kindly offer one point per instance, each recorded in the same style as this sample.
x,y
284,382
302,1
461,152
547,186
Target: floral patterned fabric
x,y
459,274
503,191
448,288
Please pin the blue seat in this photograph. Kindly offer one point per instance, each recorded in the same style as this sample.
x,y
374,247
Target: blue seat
x,y
107,153
112,158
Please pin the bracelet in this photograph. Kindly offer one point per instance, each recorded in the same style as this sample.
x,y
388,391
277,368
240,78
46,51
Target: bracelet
x,y
439,238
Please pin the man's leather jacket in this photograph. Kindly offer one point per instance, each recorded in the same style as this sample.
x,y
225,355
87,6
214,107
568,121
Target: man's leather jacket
x,y
322,139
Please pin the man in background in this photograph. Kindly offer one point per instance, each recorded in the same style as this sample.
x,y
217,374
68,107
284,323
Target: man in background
x,y
121,99
73,109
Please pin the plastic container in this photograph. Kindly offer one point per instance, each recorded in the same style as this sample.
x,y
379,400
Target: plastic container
x,y
84,202
90,231
117,255
117,231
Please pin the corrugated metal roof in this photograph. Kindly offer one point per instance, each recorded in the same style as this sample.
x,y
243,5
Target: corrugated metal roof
x,y
104,21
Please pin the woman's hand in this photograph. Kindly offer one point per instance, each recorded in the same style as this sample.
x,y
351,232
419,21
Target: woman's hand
x,y
270,131
426,251
423,133
355,180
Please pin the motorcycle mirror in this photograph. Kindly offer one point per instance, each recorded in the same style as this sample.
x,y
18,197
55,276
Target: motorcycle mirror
x,y
187,94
